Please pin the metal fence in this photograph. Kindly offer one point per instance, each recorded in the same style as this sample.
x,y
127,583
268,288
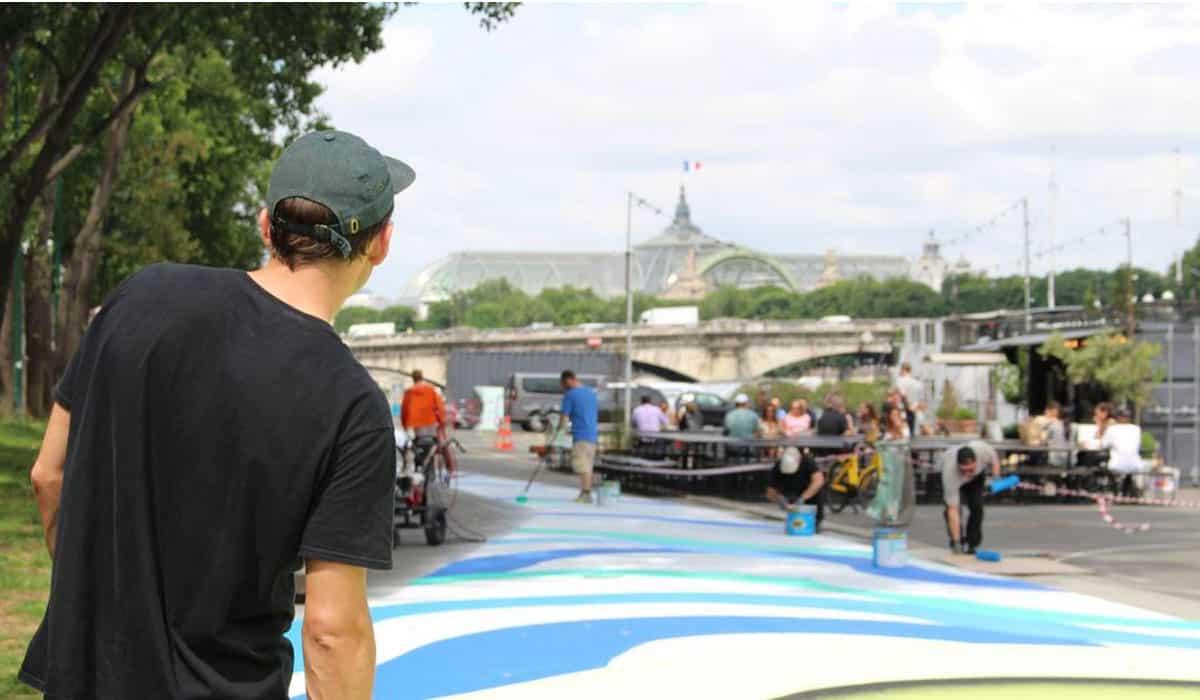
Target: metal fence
x,y
1171,413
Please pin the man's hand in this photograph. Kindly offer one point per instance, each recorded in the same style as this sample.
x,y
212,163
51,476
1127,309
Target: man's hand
x,y
47,473
953,525
339,641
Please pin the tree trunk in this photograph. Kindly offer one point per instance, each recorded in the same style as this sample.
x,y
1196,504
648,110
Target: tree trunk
x,y
115,24
39,351
6,368
80,275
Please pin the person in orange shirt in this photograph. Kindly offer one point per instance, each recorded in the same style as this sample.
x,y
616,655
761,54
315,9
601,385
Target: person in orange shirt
x,y
422,411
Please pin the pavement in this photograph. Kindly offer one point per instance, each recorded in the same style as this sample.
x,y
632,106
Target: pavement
x,y
669,597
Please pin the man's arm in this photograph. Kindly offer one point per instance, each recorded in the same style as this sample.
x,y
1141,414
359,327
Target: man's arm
x,y
339,641
439,408
814,486
952,523
405,410
47,473
776,497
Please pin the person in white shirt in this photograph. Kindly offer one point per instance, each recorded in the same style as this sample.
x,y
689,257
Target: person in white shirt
x,y
914,393
1124,442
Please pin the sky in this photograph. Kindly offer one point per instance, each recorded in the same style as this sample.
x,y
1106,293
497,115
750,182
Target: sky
x,y
857,127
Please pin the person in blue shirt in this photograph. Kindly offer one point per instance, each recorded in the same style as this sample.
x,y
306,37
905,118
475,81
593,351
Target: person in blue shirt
x,y
579,405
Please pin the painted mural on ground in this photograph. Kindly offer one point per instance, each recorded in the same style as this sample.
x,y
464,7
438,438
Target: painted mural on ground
x,y
644,597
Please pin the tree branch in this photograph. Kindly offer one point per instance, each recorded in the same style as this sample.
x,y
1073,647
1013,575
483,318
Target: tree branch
x,y
50,57
112,27
141,87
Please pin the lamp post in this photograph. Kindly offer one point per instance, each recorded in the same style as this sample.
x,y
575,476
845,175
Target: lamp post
x,y
631,200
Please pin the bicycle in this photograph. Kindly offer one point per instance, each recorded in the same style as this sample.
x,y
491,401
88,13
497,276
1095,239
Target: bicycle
x,y
852,484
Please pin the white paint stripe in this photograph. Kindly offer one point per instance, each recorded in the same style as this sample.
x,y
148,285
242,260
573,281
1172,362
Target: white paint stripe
x,y
703,667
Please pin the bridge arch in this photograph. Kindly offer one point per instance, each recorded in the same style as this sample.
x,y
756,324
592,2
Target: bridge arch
x,y
666,373
733,265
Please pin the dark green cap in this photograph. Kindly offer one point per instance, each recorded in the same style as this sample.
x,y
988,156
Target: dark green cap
x,y
344,173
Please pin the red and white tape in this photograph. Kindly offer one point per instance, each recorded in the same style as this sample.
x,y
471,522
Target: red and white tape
x,y
1101,505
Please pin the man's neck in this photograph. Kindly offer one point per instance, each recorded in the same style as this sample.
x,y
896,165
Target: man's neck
x,y
314,289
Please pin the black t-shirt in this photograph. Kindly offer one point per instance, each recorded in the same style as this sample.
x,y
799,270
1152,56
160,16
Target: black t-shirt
x,y
793,485
218,436
832,422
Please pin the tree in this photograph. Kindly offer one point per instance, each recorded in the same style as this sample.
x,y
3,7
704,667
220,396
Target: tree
x,y
215,85
1123,367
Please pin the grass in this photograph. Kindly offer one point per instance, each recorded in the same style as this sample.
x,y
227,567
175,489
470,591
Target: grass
x,y
24,564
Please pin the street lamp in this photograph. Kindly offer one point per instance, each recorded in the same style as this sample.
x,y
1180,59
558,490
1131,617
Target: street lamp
x,y
631,200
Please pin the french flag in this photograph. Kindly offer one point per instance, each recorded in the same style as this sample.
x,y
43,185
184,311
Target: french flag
x,y
694,165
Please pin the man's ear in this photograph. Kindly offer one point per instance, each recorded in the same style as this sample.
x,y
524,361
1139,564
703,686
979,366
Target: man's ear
x,y
264,226
378,249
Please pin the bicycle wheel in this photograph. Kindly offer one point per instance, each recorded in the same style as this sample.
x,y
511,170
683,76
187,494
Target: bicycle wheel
x,y
841,494
867,485
437,478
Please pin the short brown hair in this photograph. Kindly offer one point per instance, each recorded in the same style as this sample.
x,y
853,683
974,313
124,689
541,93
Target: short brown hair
x,y
294,249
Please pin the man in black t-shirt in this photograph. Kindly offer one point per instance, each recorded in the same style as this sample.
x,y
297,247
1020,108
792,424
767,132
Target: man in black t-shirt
x,y
834,420
796,478
211,432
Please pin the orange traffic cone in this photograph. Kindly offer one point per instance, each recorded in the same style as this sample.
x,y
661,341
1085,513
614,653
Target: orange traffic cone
x,y
504,435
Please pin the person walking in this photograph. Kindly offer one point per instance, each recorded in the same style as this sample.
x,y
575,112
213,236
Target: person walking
x,y
579,405
211,432
963,480
422,410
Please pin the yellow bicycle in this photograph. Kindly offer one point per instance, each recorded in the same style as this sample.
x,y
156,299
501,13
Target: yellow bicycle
x,y
850,483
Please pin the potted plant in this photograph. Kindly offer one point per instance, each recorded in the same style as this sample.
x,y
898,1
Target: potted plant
x,y
966,421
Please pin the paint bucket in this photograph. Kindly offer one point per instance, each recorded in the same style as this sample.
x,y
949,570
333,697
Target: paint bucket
x,y
987,555
890,547
801,521
1163,484
608,492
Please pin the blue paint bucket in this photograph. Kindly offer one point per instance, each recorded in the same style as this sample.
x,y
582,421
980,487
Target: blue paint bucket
x,y
889,548
801,521
608,492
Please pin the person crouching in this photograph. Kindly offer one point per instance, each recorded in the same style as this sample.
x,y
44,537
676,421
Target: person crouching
x,y
796,479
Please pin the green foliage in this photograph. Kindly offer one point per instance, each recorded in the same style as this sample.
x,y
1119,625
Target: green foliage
x,y
973,293
948,407
1149,446
964,413
854,393
1124,368
1009,382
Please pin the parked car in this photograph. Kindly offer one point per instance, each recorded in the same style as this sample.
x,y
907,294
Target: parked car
x,y
711,406
533,395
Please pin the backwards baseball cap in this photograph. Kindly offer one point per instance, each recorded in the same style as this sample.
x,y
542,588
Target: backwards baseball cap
x,y
741,398
342,172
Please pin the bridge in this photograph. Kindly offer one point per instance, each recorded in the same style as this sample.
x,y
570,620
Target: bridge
x,y
719,350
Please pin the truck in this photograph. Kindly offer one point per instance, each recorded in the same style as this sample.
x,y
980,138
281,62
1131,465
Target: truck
x,y
371,330
671,316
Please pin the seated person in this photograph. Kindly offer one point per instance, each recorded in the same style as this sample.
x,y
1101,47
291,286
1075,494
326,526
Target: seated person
x,y
1124,442
1055,434
796,479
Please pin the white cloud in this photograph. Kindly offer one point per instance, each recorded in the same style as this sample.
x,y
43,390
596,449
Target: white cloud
x,y
859,128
